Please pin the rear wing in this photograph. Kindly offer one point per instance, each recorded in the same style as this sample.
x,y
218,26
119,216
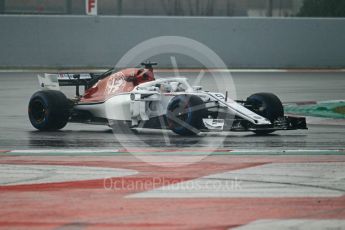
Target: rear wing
x,y
53,81
48,80
71,79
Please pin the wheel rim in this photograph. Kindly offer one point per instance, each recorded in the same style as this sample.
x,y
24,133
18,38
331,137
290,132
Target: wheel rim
x,y
182,112
260,107
38,111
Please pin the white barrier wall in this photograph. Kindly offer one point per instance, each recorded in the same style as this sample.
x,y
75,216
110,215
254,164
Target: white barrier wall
x,y
81,41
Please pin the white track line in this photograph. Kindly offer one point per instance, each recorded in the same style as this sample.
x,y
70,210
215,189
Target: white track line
x,y
11,174
265,181
183,151
295,224
30,151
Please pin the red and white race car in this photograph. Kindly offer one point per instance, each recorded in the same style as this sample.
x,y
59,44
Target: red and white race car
x,y
133,97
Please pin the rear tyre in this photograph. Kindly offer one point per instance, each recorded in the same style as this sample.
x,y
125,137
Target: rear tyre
x,y
48,110
185,114
267,105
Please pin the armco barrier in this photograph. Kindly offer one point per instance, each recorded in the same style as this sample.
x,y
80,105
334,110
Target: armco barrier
x,y
81,41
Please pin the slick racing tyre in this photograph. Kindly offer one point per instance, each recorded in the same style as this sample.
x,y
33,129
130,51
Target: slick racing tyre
x,y
185,114
267,105
48,110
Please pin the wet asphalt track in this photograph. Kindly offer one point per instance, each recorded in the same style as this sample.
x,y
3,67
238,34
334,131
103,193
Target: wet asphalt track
x,y
67,182
17,132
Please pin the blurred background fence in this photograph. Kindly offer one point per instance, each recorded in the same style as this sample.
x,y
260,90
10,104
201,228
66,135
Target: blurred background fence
x,y
58,34
245,8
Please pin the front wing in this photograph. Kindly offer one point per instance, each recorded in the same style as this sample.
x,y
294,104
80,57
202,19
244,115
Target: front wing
x,y
282,123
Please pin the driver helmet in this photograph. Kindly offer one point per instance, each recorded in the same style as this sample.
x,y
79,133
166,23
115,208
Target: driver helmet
x,y
165,87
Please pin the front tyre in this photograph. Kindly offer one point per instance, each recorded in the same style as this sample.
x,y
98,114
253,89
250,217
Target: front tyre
x,y
48,110
185,114
267,105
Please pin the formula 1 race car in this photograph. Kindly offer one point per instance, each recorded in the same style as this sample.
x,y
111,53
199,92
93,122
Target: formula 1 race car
x,y
133,97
